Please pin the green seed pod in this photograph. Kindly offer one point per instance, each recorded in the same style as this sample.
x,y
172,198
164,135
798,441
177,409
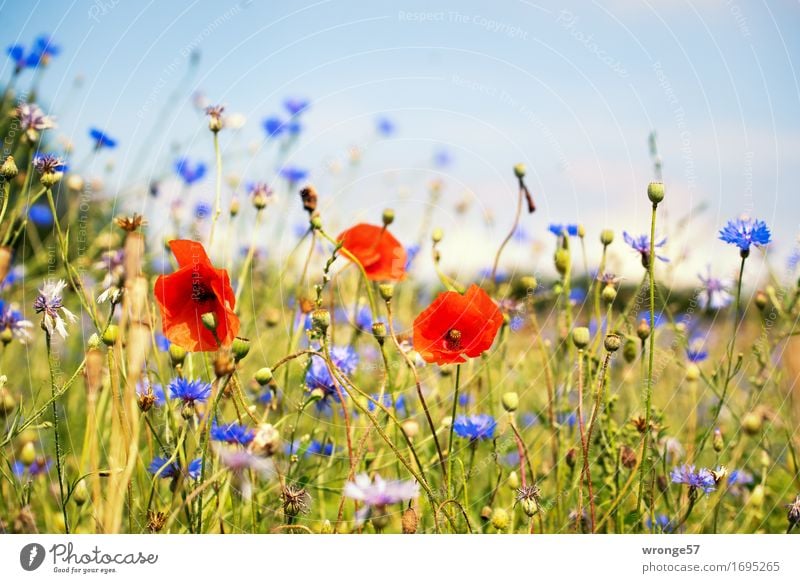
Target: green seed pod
x,y
513,480
751,423
630,350
240,347
510,401
643,330
581,337
386,290
612,342
437,235
655,192
388,217
606,237
609,294
81,493
111,335
209,320
562,261
27,454
519,170
263,376
692,372
177,354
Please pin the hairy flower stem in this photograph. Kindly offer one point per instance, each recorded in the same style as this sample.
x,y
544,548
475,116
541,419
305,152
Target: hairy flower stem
x,y
585,474
729,366
452,428
510,233
217,188
648,389
59,468
248,260
204,439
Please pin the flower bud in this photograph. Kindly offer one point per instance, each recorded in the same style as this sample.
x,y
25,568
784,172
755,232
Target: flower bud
x,y
410,428
486,513
655,192
263,376
630,350
409,521
9,168
326,527
510,401
316,222
388,217
643,331
234,207
609,294
692,372
321,320
717,441
6,336
111,335
581,231
500,519
580,337
379,331
309,198
519,170
756,496
751,423
27,454
529,282
513,480
529,507
386,290
761,300
240,347
75,182
7,402
177,354
606,237
437,235
612,342
80,494
223,365
562,260
209,320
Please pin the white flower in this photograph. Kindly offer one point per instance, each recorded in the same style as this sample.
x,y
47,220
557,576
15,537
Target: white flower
x,y
50,305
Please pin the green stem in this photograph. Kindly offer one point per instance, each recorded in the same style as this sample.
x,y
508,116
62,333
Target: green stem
x,y
218,188
59,469
452,427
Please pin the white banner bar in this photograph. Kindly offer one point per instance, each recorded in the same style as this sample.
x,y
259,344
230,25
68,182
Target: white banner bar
x,y
408,558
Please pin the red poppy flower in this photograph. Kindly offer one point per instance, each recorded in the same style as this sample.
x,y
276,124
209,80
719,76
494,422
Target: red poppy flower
x,y
196,289
382,256
455,326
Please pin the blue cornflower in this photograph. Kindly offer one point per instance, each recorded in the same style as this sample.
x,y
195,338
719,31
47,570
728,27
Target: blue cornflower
x,y
13,320
102,139
516,323
529,420
745,232
202,210
364,319
714,293
232,433
793,260
411,253
38,467
318,376
294,128
42,51
577,295
49,164
560,230
567,418
190,173
273,126
740,478
296,105
293,174
475,427
188,391
696,352
662,523
641,245
385,126
521,235
319,448
399,403
442,158
701,479
173,469
162,343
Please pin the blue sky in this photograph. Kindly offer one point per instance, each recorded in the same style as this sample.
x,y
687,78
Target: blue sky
x,y
571,89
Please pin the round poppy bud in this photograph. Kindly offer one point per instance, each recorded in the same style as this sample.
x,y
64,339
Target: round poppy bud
x,y
321,320
581,231
7,402
27,455
580,337
379,331
263,376
692,372
235,206
177,354
486,513
606,237
717,441
510,401
9,168
209,320
612,342
388,217
655,192
756,496
643,331
437,235
80,494
529,282
609,294
764,459
111,335
6,336
562,260
519,170
513,480
630,350
316,222
386,290
240,347
500,519
751,423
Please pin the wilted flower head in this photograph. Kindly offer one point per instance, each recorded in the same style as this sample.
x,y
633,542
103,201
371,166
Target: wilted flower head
x,y
48,164
376,494
49,303
744,232
641,245
215,121
260,193
33,120
714,294
240,463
